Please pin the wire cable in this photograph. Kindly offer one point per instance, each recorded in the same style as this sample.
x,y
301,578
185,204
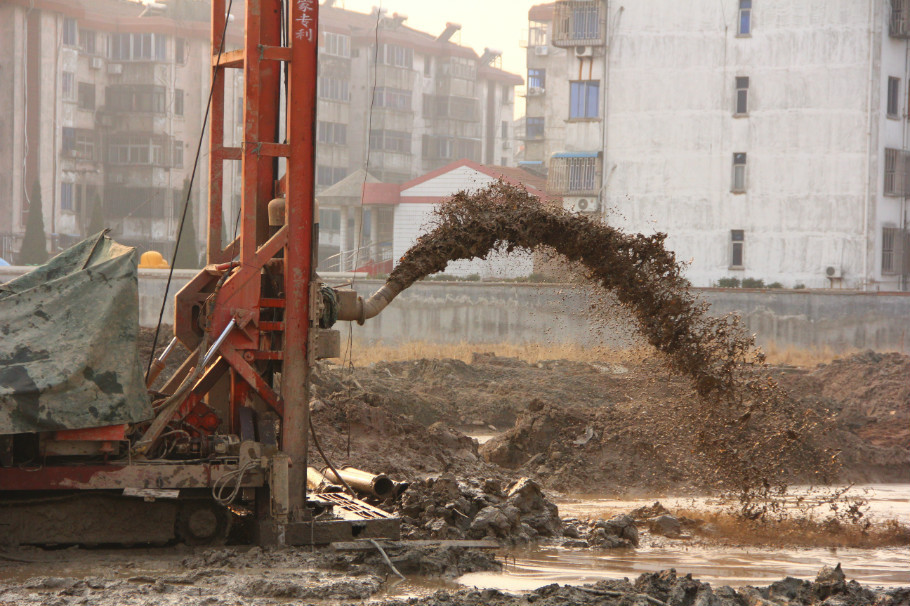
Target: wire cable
x,y
189,190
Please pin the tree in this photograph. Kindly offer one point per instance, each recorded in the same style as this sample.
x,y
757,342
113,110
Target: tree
x,y
187,248
34,243
96,220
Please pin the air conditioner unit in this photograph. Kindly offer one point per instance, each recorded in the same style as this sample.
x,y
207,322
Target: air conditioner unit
x,y
115,68
97,63
533,91
584,51
541,51
834,272
581,204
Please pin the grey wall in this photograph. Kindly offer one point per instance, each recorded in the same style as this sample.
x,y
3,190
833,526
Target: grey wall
x,y
474,312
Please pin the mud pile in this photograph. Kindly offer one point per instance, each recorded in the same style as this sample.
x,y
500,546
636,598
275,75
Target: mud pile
x,y
445,508
745,430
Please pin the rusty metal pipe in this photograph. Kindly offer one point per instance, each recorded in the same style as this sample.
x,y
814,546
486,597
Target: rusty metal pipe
x,y
378,485
317,482
359,310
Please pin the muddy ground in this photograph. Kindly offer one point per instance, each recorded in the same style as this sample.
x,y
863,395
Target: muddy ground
x,y
588,427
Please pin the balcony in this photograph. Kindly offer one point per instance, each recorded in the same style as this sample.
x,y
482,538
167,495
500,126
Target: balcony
x,y
578,23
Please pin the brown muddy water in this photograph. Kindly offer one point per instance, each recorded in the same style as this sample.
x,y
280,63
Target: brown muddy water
x,y
528,569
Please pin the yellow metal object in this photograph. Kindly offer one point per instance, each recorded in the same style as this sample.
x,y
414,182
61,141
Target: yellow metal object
x,y
152,259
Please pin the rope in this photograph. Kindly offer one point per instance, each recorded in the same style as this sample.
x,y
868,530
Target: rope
x,y
189,191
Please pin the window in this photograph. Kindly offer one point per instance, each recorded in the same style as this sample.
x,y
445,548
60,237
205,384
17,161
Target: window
x,y
583,101
138,98
329,219
899,26
337,45
78,143
333,89
742,96
507,93
138,149
333,133
86,96
573,173
180,50
890,243
396,56
534,128
586,21
138,47
69,86
744,27
737,242
394,98
537,34
69,139
897,172
178,154
894,88
463,68
505,129
537,78
739,174
70,37
427,65
178,101
87,41
329,175
66,196
390,140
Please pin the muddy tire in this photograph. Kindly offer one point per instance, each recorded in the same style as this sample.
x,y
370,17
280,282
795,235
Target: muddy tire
x,y
203,522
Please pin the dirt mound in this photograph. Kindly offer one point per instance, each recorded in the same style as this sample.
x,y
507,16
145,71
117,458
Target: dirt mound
x,y
445,508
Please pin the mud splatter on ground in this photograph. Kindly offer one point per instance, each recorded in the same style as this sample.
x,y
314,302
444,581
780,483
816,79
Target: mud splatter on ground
x,y
747,431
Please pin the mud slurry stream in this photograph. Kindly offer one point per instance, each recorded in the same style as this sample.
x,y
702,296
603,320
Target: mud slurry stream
x,y
748,436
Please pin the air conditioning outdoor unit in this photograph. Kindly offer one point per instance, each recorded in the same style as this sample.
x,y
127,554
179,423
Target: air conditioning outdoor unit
x,y
541,51
97,63
581,204
584,51
115,68
534,91
833,272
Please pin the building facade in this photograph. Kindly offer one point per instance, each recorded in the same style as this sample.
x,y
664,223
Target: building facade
x,y
104,108
768,139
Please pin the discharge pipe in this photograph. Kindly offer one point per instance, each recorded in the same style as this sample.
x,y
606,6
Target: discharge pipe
x,y
352,307
363,481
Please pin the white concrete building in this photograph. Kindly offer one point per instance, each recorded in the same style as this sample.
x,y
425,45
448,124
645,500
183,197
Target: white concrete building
x,y
414,202
767,138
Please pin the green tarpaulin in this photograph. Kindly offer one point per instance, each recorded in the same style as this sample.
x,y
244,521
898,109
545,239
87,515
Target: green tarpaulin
x,y
68,342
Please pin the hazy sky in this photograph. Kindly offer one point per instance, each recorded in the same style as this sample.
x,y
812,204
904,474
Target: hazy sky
x,y
498,24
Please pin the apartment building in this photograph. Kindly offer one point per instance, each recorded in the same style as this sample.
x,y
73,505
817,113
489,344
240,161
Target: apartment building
x,y
768,139
104,105
398,102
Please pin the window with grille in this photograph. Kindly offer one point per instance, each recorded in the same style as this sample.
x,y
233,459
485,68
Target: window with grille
x,y
573,175
744,26
737,247
899,24
577,22
894,91
742,96
897,172
584,98
66,196
890,239
739,173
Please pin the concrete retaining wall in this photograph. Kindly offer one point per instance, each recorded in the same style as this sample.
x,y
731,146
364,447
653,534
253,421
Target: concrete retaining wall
x,y
446,312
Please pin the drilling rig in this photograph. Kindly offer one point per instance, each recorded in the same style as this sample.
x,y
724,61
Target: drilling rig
x,y
228,431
